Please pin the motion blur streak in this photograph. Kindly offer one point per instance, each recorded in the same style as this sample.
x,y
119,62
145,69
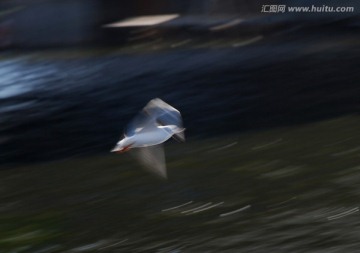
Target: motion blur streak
x,y
144,21
343,214
270,103
235,211
197,208
175,207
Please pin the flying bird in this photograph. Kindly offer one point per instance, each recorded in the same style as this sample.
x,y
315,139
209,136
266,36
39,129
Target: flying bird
x,y
155,124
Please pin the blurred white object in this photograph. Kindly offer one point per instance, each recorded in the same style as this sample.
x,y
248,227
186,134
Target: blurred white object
x,y
144,20
154,125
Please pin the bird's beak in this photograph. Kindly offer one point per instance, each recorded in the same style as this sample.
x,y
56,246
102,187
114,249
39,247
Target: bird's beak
x,y
119,149
116,149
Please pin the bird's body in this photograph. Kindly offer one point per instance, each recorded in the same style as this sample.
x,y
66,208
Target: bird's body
x,y
154,125
146,139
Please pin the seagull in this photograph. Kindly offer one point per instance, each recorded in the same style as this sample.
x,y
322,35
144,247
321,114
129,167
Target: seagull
x,y
155,124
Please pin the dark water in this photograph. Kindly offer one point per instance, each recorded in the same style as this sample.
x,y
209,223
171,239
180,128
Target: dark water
x,y
272,161
285,190
72,102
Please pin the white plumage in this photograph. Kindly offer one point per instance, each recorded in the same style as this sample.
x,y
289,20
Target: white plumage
x,y
155,124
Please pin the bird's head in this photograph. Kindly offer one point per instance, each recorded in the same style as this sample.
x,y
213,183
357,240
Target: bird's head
x,y
123,145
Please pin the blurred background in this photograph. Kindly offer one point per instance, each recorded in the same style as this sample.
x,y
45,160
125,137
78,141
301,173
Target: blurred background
x,y
270,102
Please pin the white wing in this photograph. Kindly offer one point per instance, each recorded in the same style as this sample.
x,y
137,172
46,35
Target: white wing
x,y
153,159
164,113
155,113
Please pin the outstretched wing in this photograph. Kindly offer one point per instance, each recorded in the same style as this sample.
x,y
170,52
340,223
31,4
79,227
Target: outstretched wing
x,y
153,159
164,113
155,113
141,121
